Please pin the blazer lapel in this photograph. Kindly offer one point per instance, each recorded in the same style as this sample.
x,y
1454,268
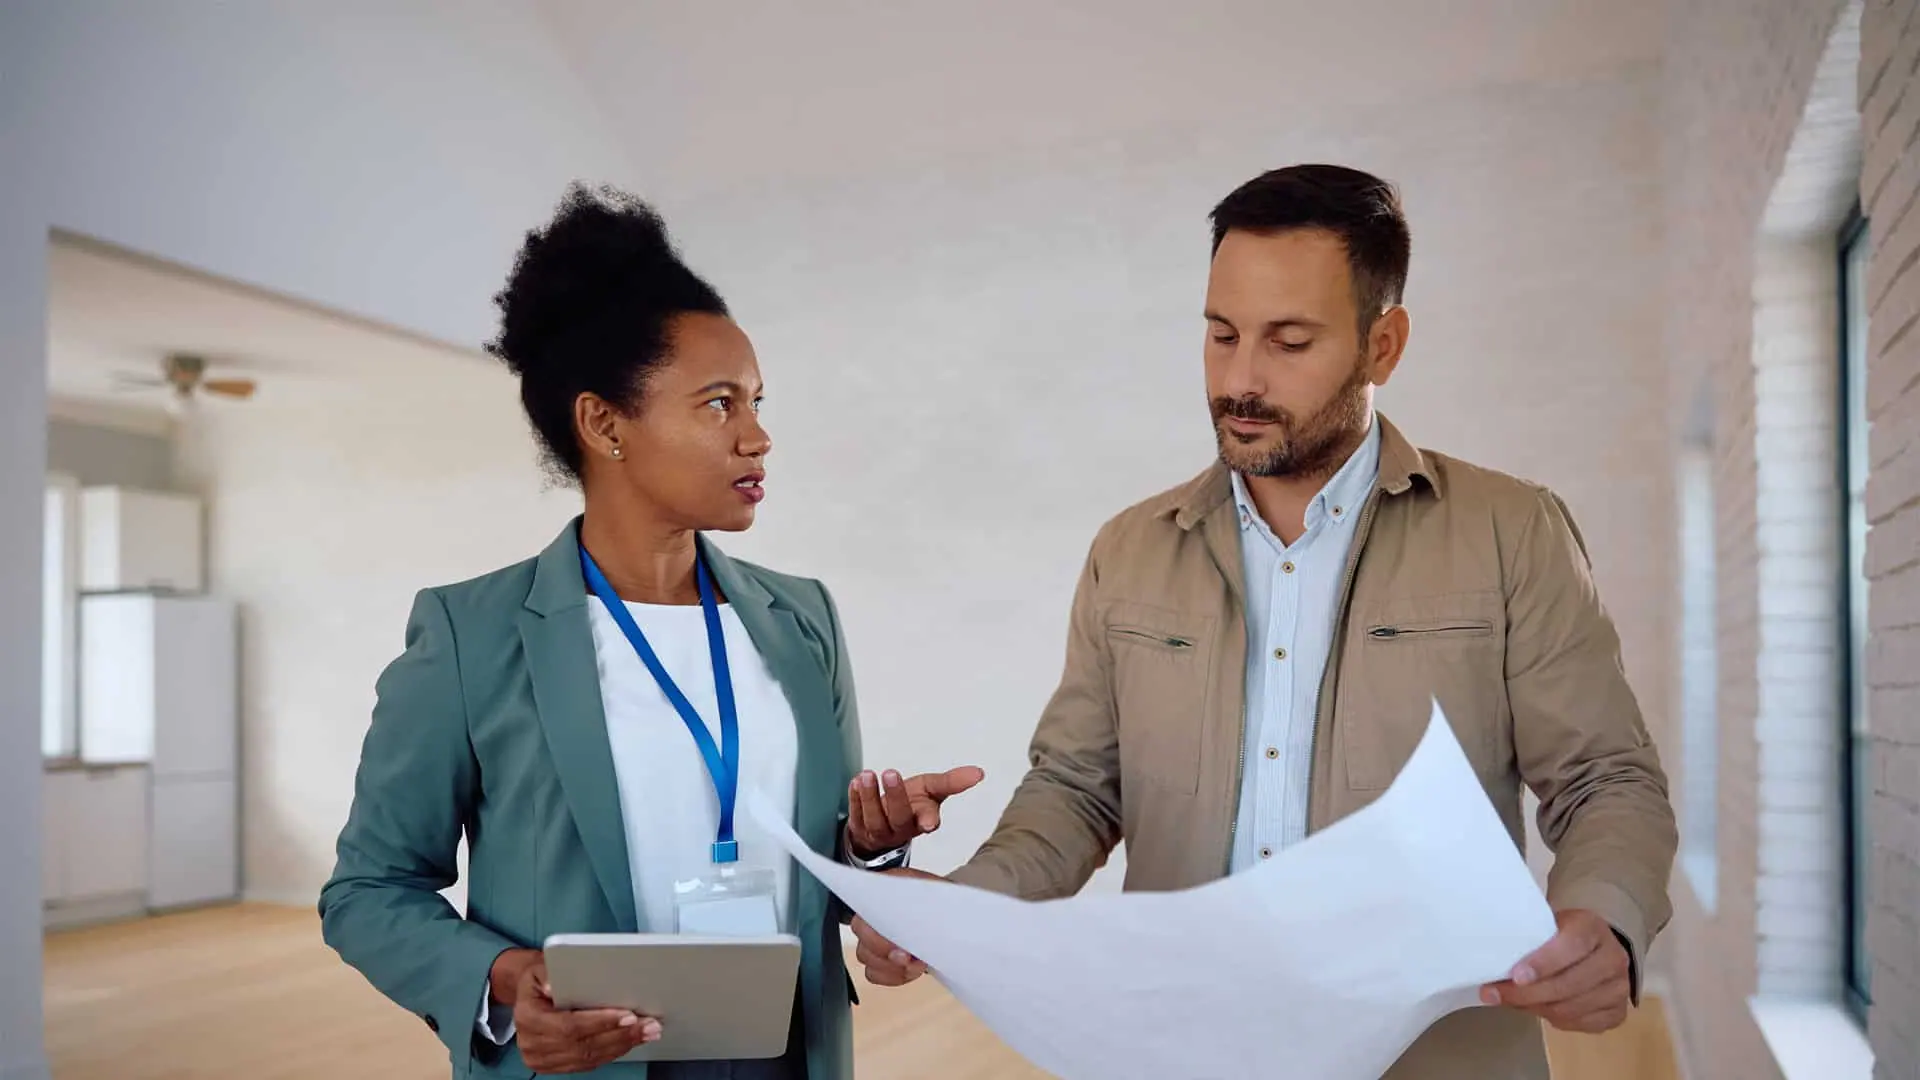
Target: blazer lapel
x,y
565,673
786,647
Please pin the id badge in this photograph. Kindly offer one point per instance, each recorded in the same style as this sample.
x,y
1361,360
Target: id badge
x,y
726,901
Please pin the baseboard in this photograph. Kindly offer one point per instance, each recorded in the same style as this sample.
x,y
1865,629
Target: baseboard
x,y
92,912
282,898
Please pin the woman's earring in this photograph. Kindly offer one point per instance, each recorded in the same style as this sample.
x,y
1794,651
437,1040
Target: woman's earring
x,y
618,453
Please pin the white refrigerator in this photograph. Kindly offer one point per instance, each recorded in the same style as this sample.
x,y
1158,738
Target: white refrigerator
x,y
159,686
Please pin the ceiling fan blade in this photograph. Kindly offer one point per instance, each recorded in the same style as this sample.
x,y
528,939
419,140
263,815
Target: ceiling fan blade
x,y
233,388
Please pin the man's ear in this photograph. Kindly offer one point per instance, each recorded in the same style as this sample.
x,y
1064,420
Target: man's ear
x,y
1387,343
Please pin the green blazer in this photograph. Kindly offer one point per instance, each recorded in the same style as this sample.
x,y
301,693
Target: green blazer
x,y
490,725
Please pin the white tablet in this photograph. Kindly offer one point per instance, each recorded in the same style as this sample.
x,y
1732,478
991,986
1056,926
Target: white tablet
x,y
717,998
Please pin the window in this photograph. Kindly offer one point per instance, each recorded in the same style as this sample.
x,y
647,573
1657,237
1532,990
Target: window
x,y
1700,659
59,719
1857,785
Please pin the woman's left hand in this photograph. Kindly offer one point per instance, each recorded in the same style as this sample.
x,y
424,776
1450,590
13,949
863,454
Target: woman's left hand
x,y
885,811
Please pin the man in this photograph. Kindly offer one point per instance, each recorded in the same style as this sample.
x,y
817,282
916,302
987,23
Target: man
x,y
1253,655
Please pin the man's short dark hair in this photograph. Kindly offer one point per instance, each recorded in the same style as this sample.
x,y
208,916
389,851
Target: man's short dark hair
x,y
1361,209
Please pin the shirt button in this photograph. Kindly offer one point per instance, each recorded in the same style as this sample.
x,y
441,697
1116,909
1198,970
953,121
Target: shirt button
x,y
1338,510
1286,568
1279,654
1266,852
1273,752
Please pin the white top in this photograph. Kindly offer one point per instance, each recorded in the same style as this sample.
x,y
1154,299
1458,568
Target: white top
x,y
667,799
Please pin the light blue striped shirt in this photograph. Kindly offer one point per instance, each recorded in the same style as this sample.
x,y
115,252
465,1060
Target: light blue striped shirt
x,y
1291,596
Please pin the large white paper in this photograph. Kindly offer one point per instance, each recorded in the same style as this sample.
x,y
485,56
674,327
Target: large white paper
x,y
1325,963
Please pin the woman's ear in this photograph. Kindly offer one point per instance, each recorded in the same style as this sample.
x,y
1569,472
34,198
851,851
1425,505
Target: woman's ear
x,y
597,423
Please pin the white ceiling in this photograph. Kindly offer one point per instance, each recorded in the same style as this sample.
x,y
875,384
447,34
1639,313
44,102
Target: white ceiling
x,y
110,312
711,97
716,95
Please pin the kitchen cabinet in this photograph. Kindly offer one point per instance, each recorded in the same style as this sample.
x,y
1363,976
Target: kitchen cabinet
x,y
132,540
97,841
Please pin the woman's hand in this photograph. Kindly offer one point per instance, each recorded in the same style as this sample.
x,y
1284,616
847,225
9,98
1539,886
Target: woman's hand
x,y
556,1040
879,821
887,964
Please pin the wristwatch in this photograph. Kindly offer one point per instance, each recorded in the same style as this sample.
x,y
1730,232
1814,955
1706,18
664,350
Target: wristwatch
x,y
897,859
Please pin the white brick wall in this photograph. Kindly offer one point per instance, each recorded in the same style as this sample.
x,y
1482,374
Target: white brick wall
x,y
1739,79
1890,183
1738,76
1799,811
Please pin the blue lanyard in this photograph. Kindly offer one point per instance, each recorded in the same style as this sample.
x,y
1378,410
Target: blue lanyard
x,y
722,764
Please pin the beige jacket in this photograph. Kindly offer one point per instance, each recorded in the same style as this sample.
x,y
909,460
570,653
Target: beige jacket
x,y
1463,584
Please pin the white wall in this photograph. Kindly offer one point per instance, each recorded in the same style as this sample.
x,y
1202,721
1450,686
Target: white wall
x,y
98,455
722,97
968,373
970,369
378,158
1759,107
22,493
327,509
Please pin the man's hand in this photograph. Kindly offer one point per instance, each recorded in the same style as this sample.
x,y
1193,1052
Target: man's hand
x,y
1579,981
886,963
880,821
569,1041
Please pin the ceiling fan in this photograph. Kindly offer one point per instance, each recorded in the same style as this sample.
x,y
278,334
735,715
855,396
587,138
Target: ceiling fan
x,y
186,375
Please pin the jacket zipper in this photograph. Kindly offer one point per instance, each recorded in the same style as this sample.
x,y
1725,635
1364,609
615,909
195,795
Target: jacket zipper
x,y
1240,761
1239,780
1386,633
1157,639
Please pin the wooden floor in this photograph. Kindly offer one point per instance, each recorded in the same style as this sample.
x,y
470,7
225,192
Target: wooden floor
x,y
251,992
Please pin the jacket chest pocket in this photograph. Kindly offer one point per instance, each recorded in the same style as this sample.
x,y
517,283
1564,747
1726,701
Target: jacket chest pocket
x,y
1401,656
1161,663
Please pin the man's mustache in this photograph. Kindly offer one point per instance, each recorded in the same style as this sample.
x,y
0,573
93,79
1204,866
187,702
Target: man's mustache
x,y
1248,408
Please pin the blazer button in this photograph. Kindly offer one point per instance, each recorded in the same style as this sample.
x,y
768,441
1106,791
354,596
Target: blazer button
x,y
432,1024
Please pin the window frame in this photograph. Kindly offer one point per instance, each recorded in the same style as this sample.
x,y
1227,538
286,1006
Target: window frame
x,y
1852,242
1700,662
60,634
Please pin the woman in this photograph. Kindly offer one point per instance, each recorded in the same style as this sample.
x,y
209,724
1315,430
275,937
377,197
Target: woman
x,y
578,716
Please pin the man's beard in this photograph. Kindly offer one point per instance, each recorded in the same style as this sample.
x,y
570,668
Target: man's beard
x,y
1310,448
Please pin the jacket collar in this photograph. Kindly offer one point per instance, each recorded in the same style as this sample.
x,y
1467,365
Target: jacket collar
x,y
1401,463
